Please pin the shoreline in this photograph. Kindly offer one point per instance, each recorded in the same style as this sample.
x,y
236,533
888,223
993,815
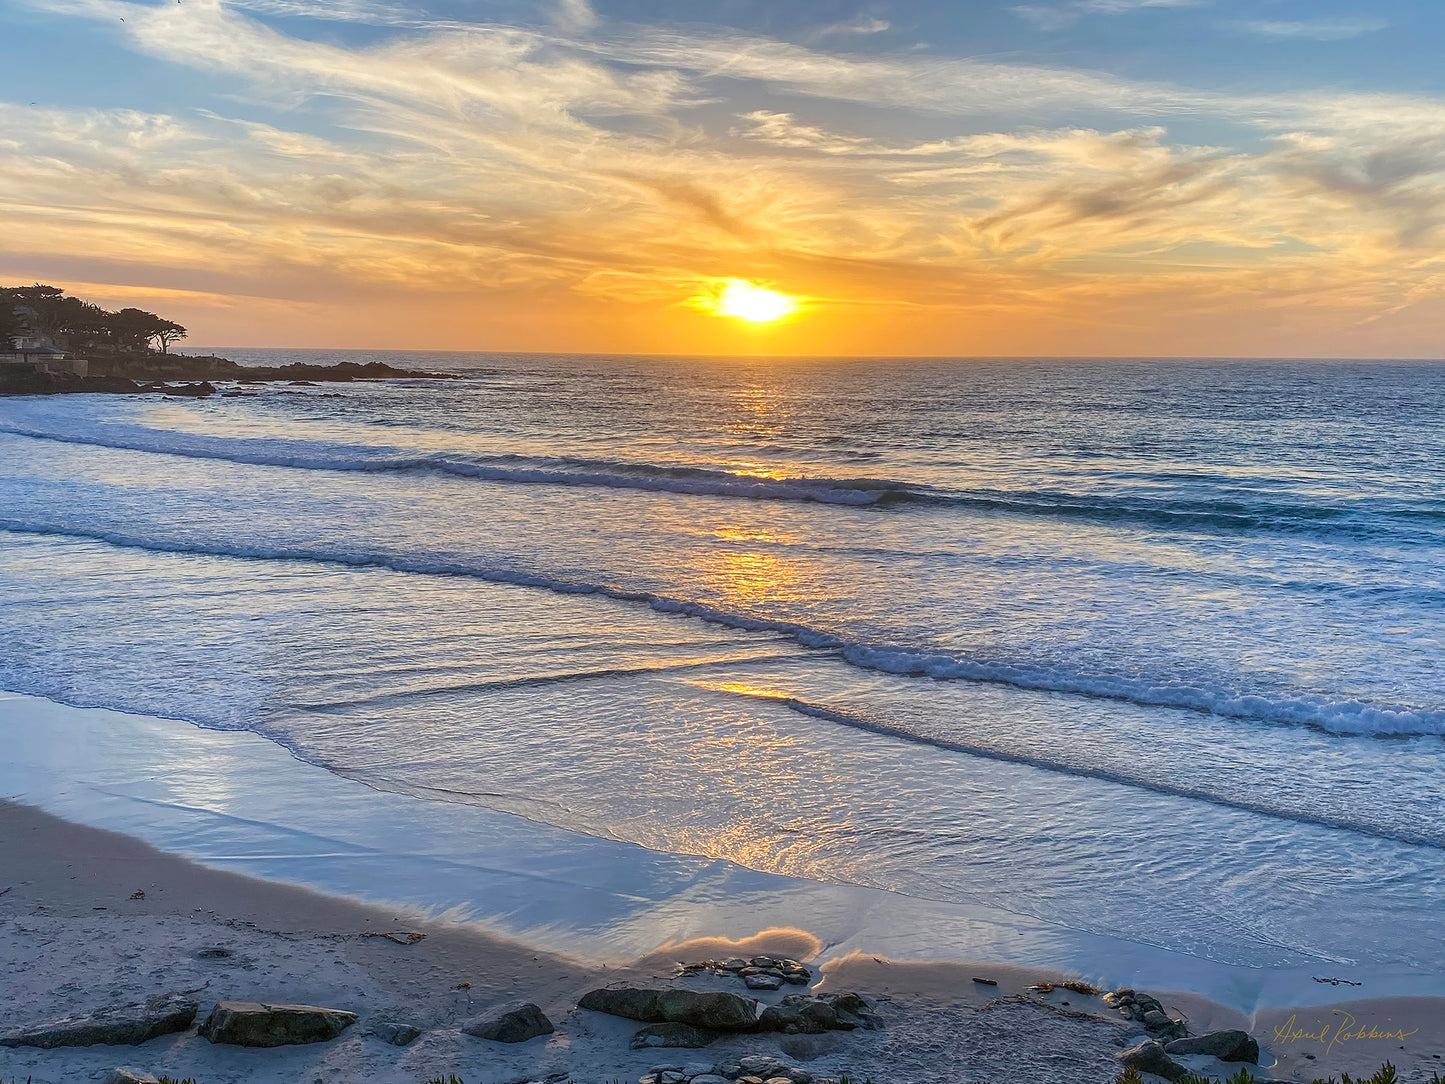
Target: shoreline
x,y
540,913
76,934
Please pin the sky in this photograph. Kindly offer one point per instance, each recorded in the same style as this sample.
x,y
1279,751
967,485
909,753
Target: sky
x,y
977,177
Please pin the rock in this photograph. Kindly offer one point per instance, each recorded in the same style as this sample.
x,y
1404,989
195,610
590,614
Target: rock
x,y
712,1009
762,1065
710,1078
128,1076
1229,1045
764,980
1149,1057
735,964
763,961
813,1014
513,1023
672,1035
248,1023
631,1002
394,1033
117,1025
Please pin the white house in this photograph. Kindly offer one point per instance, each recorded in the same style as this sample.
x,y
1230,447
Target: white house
x,y
34,352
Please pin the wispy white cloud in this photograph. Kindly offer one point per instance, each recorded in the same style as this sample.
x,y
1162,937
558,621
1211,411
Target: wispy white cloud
x,y
860,26
1062,16
574,16
1314,29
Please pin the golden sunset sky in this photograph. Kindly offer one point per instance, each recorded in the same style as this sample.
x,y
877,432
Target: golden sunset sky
x,y
1072,177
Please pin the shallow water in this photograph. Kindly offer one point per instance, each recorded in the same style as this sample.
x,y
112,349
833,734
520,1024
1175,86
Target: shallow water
x,y
1143,649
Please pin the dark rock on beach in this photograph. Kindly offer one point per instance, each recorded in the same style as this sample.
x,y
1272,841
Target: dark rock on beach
x,y
248,1023
813,1014
114,1026
1150,1057
1229,1045
672,1035
759,973
128,1076
513,1023
714,1009
389,1031
1146,1010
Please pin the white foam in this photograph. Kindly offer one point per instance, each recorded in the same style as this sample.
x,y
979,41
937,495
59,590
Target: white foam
x,y
233,801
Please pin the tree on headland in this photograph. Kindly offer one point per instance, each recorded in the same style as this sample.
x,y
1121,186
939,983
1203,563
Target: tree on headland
x,y
169,332
11,326
85,328
134,330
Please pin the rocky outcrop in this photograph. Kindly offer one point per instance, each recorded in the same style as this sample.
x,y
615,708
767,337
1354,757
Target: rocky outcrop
x,y
1146,1010
128,1076
813,1014
513,1023
753,1069
716,1010
1229,1045
683,1036
144,367
149,373
248,1023
1149,1057
757,973
115,1026
389,1031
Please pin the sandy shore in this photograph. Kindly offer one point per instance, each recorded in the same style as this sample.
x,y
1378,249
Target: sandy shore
x,y
75,935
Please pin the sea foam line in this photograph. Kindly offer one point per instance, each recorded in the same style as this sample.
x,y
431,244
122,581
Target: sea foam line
x,y
1339,717
1363,520
875,726
607,474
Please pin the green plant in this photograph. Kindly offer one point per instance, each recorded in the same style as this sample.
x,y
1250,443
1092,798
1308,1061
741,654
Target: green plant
x,y
1386,1074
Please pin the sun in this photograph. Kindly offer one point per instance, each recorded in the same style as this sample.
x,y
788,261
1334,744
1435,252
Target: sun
x,y
747,301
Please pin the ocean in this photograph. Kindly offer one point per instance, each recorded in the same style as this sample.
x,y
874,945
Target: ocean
x,y
1148,649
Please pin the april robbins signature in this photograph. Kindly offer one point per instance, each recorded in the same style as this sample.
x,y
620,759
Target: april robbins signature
x,y
1344,1030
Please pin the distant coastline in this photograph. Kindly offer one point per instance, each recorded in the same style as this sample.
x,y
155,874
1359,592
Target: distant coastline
x,y
51,344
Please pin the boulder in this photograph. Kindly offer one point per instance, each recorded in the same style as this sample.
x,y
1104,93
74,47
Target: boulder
x,y
717,1010
813,1014
762,1065
395,1033
1228,1045
248,1023
627,1001
1149,1057
762,1068
128,1076
513,1023
114,1026
672,1035
712,1009
764,980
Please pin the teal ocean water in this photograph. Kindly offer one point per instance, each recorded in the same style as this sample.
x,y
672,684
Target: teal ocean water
x,y
1148,649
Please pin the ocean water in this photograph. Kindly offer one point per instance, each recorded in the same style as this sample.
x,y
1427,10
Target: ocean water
x,y
1147,649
